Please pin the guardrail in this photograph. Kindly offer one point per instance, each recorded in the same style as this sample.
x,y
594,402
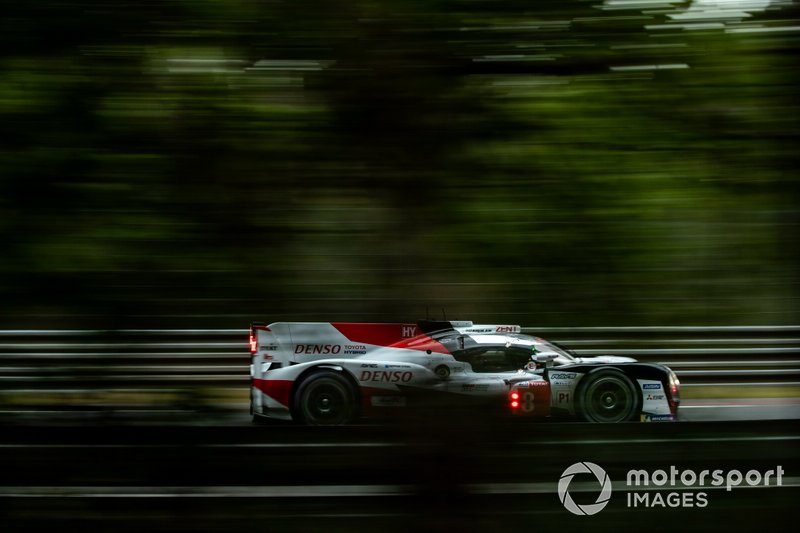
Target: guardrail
x,y
148,359
701,356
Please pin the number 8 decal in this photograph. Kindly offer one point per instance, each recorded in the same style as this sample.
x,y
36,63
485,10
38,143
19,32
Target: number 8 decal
x,y
528,404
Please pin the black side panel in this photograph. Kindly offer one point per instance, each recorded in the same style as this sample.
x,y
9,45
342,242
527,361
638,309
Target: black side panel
x,y
431,326
632,370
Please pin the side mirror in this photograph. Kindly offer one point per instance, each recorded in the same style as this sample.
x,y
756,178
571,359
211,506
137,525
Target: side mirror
x,y
545,357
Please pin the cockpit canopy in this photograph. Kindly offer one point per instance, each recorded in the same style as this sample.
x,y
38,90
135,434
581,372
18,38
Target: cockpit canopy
x,y
489,353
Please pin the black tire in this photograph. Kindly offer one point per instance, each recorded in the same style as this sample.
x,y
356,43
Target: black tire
x,y
325,398
608,396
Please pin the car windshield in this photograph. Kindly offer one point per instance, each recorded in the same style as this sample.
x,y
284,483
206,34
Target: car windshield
x,y
542,345
495,358
510,355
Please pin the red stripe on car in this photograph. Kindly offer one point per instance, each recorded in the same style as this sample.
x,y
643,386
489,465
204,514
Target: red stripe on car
x,y
376,334
277,389
395,335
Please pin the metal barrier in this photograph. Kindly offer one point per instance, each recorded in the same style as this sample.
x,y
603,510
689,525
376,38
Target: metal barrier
x,y
701,356
147,359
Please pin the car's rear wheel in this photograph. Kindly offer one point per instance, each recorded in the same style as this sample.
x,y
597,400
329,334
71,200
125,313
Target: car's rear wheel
x,y
325,398
608,396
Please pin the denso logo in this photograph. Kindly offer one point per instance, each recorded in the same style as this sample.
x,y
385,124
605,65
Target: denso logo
x,y
380,376
314,349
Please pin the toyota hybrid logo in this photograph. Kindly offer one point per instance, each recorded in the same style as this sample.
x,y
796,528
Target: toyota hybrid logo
x,y
584,468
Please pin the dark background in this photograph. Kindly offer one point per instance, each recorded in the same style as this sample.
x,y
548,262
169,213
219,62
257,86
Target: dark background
x,y
171,163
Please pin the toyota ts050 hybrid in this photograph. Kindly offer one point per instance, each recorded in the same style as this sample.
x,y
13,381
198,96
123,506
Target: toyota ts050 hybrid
x,y
331,373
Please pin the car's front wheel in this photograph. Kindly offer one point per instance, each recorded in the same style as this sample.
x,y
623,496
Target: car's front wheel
x,y
608,396
325,398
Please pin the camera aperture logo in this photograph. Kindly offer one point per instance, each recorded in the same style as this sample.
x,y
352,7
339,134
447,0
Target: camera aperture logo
x,y
584,468
686,488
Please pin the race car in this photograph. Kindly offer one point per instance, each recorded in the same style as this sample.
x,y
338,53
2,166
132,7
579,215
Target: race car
x,y
321,373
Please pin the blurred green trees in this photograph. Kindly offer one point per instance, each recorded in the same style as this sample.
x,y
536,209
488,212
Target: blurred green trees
x,y
554,163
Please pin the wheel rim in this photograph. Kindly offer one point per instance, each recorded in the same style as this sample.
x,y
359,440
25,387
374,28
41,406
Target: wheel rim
x,y
609,399
326,402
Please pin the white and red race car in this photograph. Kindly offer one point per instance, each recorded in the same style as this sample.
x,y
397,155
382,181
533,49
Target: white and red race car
x,y
324,373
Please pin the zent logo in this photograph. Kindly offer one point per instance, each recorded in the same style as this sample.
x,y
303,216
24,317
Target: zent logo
x,y
584,468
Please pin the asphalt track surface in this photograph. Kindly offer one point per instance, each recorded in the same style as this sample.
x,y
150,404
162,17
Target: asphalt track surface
x,y
694,410
740,409
174,471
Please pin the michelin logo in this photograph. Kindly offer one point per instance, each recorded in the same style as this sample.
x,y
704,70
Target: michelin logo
x,y
657,418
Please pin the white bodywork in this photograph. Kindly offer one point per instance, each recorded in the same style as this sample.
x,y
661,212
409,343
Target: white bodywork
x,y
386,362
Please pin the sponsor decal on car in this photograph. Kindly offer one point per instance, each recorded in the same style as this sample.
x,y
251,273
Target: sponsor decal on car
x,y
317,349
652,386
656,418
563,378
654,397
408,331
388,401
355,349
380,376
472,387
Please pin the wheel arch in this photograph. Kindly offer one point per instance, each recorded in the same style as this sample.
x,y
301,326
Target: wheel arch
x,y
316,369
633,371
623,370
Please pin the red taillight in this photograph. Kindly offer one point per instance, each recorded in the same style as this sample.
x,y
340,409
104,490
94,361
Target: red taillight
x,y
254,327
253,342
514,403
674,393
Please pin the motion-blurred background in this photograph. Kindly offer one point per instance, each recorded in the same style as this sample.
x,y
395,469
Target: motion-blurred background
x,y
167,163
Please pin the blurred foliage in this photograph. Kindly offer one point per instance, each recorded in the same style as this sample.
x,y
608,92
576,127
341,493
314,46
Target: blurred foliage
x,y
168,162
